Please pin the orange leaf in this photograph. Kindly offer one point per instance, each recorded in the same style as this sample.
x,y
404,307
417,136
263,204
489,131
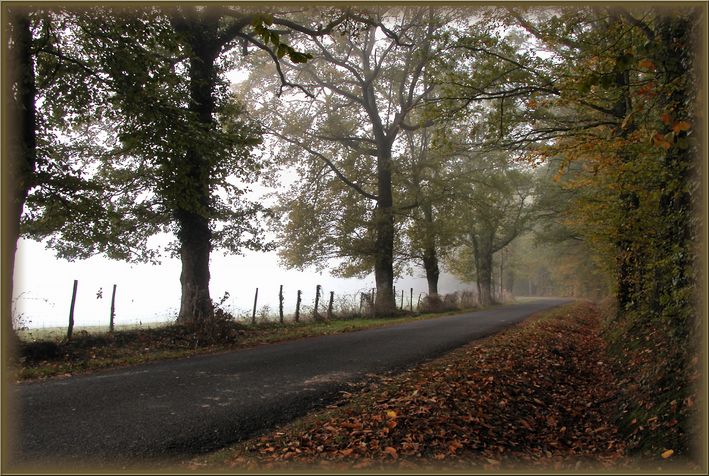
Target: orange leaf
x,y
646,64
391,414
454,445
660,141
665,118
680,126
667,454
346,451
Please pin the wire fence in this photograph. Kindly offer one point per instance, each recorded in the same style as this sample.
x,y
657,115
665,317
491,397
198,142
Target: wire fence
x,y
316,304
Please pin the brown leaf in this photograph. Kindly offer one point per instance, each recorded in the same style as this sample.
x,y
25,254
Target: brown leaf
x,y
392,452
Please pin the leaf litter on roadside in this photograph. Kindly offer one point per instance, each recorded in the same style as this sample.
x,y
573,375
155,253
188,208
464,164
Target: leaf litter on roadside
x,y
536,394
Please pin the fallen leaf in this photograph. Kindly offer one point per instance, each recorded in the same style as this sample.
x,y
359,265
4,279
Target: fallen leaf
x,y
667,454
680,126
646,64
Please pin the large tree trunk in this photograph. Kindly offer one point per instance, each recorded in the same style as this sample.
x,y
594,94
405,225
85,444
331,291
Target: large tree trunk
x,y
626,254
482,249
192,215
430,264
384,225
430,257
19,165
484,278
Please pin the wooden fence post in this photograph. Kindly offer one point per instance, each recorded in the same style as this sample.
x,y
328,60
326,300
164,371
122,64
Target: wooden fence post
x,y
329,306
374,300
297,307
402,299
411,300
280,304
113,308
418,302
70,329
253,314
317,301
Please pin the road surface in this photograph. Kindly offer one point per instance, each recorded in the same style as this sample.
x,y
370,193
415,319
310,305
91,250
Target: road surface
x,y
163,411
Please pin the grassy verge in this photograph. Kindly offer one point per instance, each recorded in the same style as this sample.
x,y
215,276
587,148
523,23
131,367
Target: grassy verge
x,y
59,333
539,395
87,352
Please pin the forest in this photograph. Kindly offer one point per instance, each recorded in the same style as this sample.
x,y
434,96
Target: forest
x,y
528,150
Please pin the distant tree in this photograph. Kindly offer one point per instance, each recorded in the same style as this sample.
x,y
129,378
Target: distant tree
x,y
495,205
427,180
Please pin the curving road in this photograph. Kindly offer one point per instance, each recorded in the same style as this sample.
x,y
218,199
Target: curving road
x,y
162,410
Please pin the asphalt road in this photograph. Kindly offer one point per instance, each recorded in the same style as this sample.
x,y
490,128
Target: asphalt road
x,y
171,409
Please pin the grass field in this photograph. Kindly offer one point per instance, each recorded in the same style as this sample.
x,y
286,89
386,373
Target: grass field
x,y
58,333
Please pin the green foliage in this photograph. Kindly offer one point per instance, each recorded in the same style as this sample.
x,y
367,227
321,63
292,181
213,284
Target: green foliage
x,y
114,127
346,155
495,204
314,230
261,24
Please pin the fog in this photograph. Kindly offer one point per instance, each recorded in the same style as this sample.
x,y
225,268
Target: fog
x,y
151,293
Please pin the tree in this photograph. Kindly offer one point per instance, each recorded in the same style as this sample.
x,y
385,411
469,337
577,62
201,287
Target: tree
x,y
614,106
426,179
19,137
496,206
362,89
155,79
628,79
